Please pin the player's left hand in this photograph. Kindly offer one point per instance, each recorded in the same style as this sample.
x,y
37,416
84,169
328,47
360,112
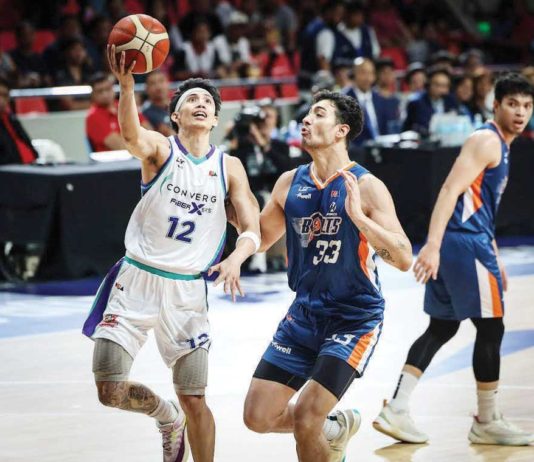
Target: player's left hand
x,y
504,276
353,202
229,272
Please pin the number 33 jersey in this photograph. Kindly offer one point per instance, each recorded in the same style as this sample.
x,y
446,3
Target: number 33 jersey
x,y
331,266
179,225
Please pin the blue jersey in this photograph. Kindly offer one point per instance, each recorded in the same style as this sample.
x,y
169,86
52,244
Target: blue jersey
x,y
476,209
331,266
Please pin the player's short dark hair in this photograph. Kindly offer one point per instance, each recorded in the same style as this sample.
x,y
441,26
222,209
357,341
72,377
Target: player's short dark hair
x,y
513,84
99,77
194,83
348,111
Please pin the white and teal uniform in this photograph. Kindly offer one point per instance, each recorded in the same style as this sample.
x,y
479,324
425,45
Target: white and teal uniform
x,y
176,232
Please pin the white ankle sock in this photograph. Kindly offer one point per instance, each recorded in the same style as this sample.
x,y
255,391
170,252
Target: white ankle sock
x,y
331,427
165,412
487,405
405,387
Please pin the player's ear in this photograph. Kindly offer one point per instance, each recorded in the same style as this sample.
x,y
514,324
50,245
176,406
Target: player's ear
x,y
343,130
216,122
175,117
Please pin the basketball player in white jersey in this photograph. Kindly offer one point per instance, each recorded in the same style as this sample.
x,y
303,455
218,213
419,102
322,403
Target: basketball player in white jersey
x,y
174,240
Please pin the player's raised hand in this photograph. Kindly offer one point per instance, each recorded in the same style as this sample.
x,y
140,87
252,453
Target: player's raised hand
x,y
427,263
353,202
119,70
229,272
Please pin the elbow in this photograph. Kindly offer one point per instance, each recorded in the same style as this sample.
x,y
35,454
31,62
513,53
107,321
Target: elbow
x,y
405,264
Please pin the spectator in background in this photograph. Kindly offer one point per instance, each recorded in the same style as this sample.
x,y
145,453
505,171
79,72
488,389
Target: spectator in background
x,y
415,78
200,12
102,123
274,62
30,66
201,57
463,92
482,102
236,34
380,115
361,35
342,76
443,59
471,61
156,107
386,83
99,30
15,144
434,100
284,19
8,69
69,28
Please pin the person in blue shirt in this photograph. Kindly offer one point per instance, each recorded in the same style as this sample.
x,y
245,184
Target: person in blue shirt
x,y
464,276
337,217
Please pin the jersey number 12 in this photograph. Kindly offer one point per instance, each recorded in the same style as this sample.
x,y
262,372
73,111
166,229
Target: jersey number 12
x,y
186,228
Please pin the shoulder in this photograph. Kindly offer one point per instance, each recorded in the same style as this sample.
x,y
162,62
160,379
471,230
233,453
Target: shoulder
x,y
483,144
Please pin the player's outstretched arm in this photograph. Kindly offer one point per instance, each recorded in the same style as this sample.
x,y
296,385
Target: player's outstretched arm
x,y
482,149
370,207
272,218
247,213
142,143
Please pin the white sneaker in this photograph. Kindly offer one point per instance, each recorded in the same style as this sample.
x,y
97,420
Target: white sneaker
x,y
174,436
350,421
499,431
398,425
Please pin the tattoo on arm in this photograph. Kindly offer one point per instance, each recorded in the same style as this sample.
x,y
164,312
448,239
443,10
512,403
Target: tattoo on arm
x,y
384,254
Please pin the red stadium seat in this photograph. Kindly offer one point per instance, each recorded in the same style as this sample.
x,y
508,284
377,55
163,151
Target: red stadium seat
x,y
265,91
7,40
397,54
36,104
43,38
289,91
233,94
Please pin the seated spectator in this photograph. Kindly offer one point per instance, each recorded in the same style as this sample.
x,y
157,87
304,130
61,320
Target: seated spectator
x,y
75,69
30,66
361,35
283,18
482,102
415,78
386,82
274,61
472,60
156,107
102,123
434,100
236,34
69,28
201,57
463,92
15,144
380,115
99,30
443,59
200,11
8,69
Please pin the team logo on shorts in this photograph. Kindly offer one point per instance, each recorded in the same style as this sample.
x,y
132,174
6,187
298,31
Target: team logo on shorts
x,y
110,320
119,286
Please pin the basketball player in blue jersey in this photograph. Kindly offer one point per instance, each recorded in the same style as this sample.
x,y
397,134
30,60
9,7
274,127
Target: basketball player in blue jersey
x,y
175,236
464,277
336,216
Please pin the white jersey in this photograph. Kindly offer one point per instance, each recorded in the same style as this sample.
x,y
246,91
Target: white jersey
x,y
179,225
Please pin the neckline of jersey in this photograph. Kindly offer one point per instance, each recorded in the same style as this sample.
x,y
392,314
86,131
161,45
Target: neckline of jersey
x,y
499,132
191,157
321,185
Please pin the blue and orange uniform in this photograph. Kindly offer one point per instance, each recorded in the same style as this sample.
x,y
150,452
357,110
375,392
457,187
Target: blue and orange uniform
x,y
469,283
338,307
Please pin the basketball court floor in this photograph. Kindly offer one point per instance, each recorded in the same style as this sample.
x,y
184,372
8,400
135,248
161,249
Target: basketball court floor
x,y
49,411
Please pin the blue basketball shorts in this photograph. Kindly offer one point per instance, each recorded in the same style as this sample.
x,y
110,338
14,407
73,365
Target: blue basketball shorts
x,y
304,335
469,283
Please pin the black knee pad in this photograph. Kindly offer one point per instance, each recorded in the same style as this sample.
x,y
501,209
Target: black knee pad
x,y
487,352
438,333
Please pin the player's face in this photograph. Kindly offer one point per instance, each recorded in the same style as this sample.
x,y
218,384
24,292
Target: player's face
x,y
197,111
513,112
320,126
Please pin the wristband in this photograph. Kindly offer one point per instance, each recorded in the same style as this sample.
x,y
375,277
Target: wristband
x,y
252,236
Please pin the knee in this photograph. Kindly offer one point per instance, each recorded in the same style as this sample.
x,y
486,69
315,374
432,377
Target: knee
x,y
489,330
307,422
255,419
442,330
193,405
111,394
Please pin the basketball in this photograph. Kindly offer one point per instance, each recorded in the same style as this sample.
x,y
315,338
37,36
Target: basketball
x,y
143,39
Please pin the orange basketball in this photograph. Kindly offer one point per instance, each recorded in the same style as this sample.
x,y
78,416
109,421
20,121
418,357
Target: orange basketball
x,y
143,39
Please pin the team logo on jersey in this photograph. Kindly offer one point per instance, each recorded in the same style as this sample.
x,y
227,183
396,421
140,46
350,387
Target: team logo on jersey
x,y
316,225
304,196
304,188
332,207
180,162
334,194
196,208
212,173
190,194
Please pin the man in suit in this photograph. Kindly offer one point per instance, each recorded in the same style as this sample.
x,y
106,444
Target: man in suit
x,y
436,99
380,116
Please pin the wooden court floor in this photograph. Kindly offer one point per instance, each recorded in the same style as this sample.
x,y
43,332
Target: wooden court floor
x,y
49,411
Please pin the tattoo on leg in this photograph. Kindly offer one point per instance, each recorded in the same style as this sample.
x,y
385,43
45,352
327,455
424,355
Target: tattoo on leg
x,y
129,396
384,254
